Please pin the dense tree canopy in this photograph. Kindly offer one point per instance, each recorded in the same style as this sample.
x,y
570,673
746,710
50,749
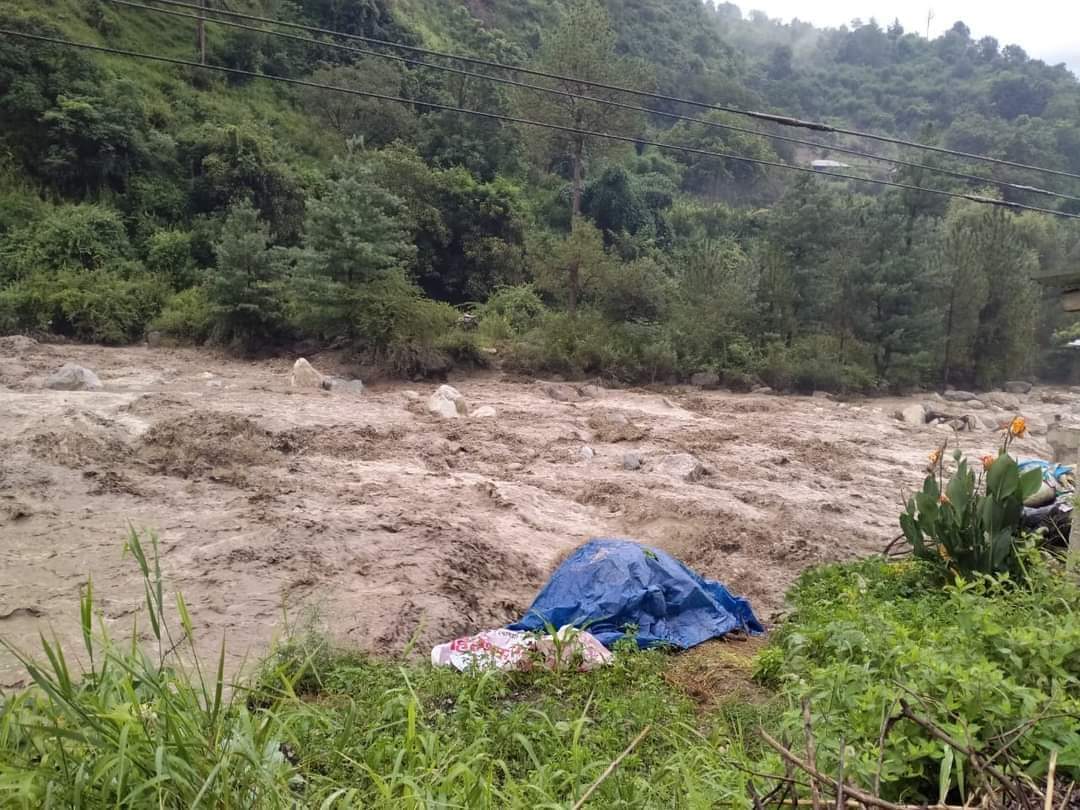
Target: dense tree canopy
x,y
230,209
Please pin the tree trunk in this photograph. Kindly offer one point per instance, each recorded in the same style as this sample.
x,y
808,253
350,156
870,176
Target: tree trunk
x,y
575,212
948,338
200,33
577,184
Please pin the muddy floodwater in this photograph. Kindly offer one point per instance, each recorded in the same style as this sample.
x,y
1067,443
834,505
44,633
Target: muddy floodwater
x,y
380,522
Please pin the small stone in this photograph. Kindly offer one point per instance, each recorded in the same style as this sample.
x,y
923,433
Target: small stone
x,y
207,375
411,396
214,384
153,339
71,377
958,396
1017,387
762,390
305,376
631,461
448,403
586,454
1036,426
683,466
705,379
976,404
484,412
342,386
822,395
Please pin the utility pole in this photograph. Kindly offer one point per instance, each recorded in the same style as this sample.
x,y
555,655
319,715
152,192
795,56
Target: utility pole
x,y
200,32
929,19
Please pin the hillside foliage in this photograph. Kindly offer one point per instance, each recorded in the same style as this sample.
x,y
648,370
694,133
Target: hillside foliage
x,y
140,197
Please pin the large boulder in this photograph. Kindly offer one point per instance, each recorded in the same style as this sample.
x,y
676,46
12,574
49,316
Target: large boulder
x,y
999,399
958,396
1064,438
305,376
448,403
705,379
683,466
1017,387
73,378
912,414
1056,397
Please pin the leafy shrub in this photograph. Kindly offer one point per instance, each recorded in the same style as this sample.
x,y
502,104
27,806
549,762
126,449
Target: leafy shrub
x,y
632,291
102,306
462,348
186,316
970,525
589,344
987,661
510,311
69,237
816,363
168,253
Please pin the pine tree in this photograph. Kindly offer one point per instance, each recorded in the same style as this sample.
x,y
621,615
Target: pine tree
x,y
245,291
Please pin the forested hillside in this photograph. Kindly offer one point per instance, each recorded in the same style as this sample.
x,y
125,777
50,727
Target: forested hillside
x,y
141,197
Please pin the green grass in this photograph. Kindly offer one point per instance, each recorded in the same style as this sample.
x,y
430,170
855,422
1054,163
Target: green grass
x,y
324,728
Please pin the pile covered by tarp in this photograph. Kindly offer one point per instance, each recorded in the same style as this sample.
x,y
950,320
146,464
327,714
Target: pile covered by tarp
x,y
614,587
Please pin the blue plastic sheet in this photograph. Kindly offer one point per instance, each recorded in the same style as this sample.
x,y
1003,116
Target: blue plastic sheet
x,y
607,585
1052,473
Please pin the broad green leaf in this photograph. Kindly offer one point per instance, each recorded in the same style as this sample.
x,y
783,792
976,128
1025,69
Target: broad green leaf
x,y
945,775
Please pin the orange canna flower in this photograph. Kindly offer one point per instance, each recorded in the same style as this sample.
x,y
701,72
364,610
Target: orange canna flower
x,y
935,457
988,462
944,553
1018,427
944,499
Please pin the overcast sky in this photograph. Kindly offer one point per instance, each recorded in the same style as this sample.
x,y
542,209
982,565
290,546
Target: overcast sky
x,y
1046,29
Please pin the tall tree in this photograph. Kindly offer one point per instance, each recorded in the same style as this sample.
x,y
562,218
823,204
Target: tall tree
x,y
581,48
245,291
358,234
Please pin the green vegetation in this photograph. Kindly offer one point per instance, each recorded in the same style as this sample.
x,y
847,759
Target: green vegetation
x,y
989,661
971,524
123,186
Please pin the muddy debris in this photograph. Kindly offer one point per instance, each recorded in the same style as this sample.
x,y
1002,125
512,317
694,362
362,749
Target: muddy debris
x,y
398,527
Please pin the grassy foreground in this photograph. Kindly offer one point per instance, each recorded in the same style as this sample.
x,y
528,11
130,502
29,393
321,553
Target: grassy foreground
x,y
993,664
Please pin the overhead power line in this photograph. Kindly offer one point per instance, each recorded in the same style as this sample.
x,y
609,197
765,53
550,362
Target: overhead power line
x,y
976,179
630,139
783,120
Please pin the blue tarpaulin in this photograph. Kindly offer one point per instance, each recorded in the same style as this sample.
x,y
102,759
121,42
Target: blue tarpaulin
x,y
608,585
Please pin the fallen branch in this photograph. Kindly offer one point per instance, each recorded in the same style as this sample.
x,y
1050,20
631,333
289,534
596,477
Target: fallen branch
x,y
811,752
976,760
858,797
611,768
1050,781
